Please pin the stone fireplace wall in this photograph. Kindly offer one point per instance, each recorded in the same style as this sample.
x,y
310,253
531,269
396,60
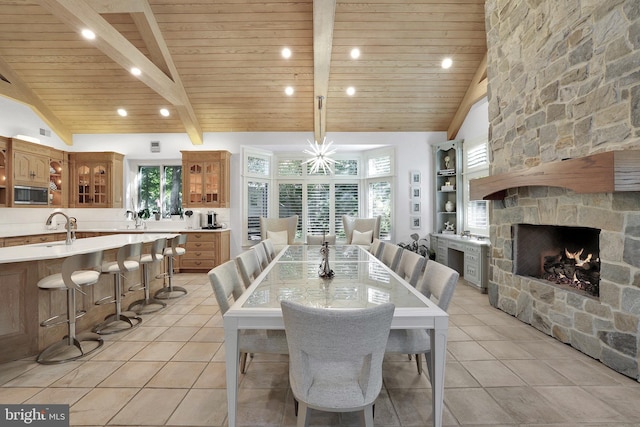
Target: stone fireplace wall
x,y
564,82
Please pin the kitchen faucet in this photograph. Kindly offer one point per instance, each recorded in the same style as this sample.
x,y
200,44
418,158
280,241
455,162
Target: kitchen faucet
x,y
136,218
68,226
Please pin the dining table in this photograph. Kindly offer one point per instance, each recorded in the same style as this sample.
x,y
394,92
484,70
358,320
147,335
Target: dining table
x,y
359,281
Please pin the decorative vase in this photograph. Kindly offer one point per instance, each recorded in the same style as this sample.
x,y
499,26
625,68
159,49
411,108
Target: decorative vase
x,y
449,206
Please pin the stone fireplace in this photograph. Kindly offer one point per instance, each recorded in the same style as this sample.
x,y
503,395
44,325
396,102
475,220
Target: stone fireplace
x,y
564,83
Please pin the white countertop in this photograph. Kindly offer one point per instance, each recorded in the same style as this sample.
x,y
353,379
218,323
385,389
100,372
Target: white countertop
x,y
23,231
53,250
457,237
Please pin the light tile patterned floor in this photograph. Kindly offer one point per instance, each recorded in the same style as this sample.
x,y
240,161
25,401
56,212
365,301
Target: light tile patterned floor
x,y
170,371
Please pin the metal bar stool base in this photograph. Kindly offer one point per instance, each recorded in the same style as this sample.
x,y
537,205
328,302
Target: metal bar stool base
x,y
171,292
146,306
62,351
110,324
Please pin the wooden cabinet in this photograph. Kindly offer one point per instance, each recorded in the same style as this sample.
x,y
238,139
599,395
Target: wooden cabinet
x,y
448,200
30,163
97,180
4,171
205,179
205,250
35,238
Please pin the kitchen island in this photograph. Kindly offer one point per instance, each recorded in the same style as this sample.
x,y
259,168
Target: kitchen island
x,y
23,306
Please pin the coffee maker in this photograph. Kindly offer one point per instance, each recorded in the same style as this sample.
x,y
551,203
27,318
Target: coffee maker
x,y
210,220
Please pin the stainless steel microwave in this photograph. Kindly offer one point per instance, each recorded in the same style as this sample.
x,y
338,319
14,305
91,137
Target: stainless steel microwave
x,y
30,195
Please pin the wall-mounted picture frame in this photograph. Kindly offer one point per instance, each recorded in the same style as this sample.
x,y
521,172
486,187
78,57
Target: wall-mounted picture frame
x,y
415,207
415,192
414,222
414,177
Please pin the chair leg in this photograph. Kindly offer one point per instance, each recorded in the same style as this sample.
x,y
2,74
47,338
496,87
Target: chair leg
x,y
366,416
243,363
295,406
303,415
419,364
427,358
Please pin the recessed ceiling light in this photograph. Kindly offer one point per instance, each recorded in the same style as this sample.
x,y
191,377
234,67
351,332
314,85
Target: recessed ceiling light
x,y
135,71
289,90
446,63
355,53
88,34
286,53
164,112
122,112
351,91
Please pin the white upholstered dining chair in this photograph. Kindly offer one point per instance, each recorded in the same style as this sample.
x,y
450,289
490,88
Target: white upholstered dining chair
x,y
226,284
410,266
362,226
335,357
281,231
438,283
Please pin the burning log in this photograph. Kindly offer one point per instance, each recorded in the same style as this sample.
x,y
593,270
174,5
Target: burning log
x,y
569,268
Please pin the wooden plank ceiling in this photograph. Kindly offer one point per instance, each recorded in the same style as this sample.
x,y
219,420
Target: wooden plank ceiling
x,y
217,65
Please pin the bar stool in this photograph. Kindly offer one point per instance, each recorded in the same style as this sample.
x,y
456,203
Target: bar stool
x,y
127,259
77,271
170,292
146,305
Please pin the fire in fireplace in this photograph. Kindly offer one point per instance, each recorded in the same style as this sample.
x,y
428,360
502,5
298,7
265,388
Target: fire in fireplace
x,y
563,255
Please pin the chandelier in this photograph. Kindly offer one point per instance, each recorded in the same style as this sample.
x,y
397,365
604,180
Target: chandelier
x,y
320,152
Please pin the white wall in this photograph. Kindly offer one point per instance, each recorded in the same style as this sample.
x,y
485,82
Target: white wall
x,y
413,152
476,124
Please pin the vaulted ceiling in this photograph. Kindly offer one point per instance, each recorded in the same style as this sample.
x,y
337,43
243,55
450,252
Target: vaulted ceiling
x,y
217,65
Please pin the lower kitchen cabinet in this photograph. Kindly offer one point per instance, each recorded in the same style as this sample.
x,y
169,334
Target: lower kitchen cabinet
x,y
469,257
204,250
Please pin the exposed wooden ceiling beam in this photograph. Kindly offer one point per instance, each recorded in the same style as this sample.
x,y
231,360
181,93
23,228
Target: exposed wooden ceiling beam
x,y
476,90
16,89
324,12
80,14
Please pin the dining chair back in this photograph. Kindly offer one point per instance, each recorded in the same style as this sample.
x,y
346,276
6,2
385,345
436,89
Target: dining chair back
x,y
390,255
361,225
410,266
249,266
335,357
273,228
376,248
438,284
269,249
317,239
261,253
227,284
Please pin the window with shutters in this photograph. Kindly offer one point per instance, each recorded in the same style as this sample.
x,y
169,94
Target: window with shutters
x,y
476,165
320,200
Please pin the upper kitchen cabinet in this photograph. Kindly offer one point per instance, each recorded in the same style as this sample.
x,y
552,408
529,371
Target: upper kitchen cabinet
x,y
205,179
4,170
30,164
97,180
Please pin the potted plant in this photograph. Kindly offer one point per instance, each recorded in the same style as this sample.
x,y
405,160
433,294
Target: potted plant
x,y
419,246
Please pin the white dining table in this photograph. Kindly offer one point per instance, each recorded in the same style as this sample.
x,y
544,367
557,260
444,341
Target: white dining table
x,y
360,280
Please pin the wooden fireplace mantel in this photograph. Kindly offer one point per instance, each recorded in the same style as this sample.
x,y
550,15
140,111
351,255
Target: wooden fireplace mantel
x,y
598,173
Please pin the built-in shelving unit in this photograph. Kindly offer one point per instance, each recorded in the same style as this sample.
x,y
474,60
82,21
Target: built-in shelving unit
x,y
447,204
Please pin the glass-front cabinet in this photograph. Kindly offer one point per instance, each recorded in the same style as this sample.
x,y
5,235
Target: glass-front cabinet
x,y
205,178
97,180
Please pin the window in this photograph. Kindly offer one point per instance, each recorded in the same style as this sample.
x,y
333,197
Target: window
x,y
319,200
380,189
257,173
159,189
476,165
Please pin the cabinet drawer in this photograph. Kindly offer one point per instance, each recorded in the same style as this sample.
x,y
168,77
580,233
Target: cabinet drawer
x,y
202,264
197,254
200,237
200,246
472,268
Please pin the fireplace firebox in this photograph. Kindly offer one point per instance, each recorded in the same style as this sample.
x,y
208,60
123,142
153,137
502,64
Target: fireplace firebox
x,y
566,256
